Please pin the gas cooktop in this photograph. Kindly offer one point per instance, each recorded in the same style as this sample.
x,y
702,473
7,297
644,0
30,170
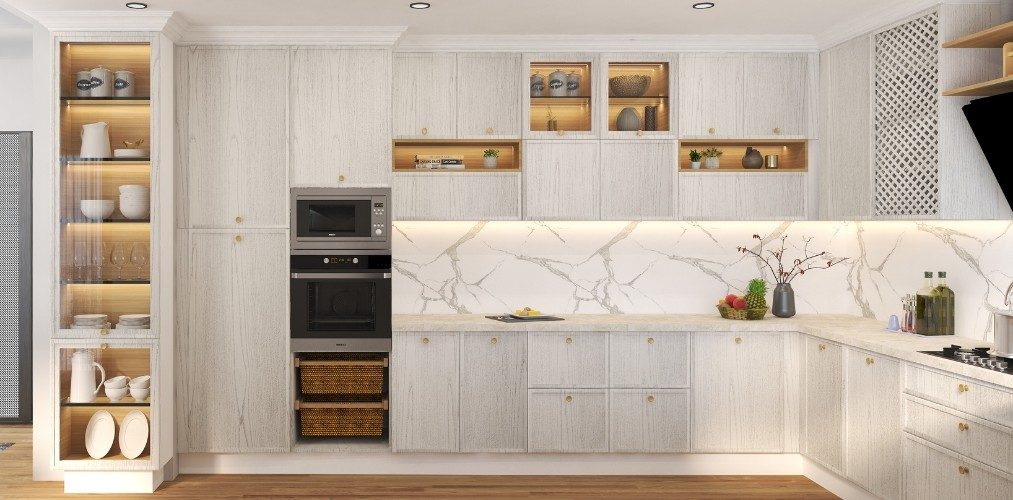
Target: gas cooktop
x,y
977,356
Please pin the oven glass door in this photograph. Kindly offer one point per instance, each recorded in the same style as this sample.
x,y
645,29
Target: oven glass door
x,y
332,218
341,305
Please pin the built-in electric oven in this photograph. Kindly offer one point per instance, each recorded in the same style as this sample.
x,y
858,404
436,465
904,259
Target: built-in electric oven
x,y
340,218
341,301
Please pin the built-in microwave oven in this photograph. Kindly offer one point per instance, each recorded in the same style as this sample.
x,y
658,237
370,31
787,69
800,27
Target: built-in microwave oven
x,y
345,218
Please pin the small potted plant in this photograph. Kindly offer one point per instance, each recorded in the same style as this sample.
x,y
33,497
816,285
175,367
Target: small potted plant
x,y
712,157
490,157
694,159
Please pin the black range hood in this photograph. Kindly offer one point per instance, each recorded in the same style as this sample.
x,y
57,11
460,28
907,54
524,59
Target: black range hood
x,y
991,120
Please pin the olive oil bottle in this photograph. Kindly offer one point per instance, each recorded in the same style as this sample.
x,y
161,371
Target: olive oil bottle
x,y
944,306
924,305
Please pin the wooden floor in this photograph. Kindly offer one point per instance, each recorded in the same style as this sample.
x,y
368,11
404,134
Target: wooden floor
x,y
16,474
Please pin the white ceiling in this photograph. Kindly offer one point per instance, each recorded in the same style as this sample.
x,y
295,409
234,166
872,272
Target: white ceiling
x,y
508,17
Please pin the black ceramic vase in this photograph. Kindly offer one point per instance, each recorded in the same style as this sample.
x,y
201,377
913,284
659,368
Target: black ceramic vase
x,y
784,301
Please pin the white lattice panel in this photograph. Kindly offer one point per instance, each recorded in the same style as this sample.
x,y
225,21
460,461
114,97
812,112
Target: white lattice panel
x,y
907,118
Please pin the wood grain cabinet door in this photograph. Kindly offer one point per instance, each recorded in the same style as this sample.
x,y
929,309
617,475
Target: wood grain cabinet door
x,y
445,196
568,420
233,138
823,403
561,180
425,96
649,360
710,95
872,455
638,179
649,421
425,392
232,376
568,360
743,196
737,406
488,95
340,114
494,392
776,91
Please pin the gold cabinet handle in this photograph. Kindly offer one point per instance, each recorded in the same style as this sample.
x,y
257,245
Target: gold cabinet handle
x,y
239,238
650,340
963,388
488,130
103,346
425,340
640,132
823,347
341,178
738,340
494,340
961,426
963,470
425,131
569,340
239,220
777,130
650,399
569,399
711,130
103,332
869,361
560,132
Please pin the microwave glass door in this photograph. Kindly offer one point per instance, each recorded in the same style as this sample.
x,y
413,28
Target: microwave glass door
x,y
334,218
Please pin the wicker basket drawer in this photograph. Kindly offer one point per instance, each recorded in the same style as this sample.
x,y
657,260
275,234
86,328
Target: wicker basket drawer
x,y
342,419
345,375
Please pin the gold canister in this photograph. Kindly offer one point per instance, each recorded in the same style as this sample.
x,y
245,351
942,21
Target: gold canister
x,y
770,161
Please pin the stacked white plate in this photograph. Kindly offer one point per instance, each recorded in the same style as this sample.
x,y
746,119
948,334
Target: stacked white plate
x,y
90,321
134,322
135,201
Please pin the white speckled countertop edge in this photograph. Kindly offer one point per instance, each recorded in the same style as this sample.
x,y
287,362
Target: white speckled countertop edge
x,y
852,331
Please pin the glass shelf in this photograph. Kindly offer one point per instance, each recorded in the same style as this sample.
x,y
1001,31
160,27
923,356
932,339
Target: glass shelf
x,y
101,401
72,281
76,159
66,220
105,99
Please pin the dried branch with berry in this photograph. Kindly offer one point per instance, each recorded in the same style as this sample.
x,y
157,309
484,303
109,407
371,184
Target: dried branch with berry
x,y
808,261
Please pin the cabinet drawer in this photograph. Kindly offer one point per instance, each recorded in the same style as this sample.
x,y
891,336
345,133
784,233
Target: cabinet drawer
x,y
557,360
568,421
985,442
646,421
930,472
649,360
961,394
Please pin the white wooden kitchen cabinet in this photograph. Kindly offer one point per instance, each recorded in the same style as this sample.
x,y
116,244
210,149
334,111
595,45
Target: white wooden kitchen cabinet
x,y
776,87
340,117
456,195
969,396
931,471
968,435
638,179
711,95
425,392
562,180
738,408
568,360
488,95
232,349
649,360
494,392
873,422
233,138
568,420
742,195
425,95
823,403
649,420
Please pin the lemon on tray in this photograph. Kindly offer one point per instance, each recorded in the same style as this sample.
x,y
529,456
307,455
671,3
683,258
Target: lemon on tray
x,y
527,311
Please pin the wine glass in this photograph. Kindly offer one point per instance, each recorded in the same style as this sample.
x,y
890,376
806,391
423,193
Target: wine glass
x,y
139,258
118,258
97,258
80,260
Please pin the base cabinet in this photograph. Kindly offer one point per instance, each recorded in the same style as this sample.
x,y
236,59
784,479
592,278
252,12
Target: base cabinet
x,y
568,421
425,392
823,403
649,421
494,399
931,472
873,423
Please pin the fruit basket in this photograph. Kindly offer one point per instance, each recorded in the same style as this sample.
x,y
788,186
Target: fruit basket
x,y
728,312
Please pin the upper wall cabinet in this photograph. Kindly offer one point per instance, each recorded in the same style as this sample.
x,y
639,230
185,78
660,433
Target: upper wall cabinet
x,y
488,95
561,180
425,95
232,137
340,112
638,96
743,95
560,101
638,180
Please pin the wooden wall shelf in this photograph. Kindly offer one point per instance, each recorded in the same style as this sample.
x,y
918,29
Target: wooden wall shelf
x,y
990,38
471,149
792,154
991,87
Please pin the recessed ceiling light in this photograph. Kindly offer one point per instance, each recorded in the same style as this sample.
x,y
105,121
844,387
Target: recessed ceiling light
x,y
419,5
703,5
136,5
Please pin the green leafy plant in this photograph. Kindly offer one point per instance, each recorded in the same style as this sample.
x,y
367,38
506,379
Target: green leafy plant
x,y
694,156
713,152
491,153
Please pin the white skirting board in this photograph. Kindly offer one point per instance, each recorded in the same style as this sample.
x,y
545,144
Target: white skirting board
x,y
111,482
833,483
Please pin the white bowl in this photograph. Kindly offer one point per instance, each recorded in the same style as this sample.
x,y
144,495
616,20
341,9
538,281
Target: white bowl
x,y
134,211
133,189
142,382
116,393
139,394
117,382
97,209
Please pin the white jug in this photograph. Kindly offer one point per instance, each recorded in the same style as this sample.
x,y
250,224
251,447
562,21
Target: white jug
x,y
95,140
83,386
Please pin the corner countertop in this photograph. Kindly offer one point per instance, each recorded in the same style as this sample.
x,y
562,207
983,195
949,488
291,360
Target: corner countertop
x,y
853,331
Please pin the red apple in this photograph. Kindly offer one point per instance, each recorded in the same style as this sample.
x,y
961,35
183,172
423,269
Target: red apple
x,y
730,298
739,303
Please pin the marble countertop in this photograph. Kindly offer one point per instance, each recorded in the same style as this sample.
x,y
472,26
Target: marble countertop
x,y
852,331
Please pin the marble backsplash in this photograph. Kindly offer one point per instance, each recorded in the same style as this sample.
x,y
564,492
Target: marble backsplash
x,y
685,267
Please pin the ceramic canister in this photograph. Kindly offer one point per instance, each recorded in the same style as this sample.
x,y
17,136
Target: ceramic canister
x,y
83,83
124,83
537,85
557,83
101,82
573,84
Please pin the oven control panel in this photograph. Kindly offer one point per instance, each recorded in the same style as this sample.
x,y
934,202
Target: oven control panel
x,y
378,228
340,262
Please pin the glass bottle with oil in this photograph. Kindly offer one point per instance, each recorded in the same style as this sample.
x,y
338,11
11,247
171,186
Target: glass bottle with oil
x,y
944,306
924,305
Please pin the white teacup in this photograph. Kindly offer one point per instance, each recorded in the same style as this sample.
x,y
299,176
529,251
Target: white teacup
x,y
139,394
117,382
115,393
142,382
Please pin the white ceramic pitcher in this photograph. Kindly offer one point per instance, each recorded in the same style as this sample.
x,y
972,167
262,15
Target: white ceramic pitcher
x,y
95,140
83,386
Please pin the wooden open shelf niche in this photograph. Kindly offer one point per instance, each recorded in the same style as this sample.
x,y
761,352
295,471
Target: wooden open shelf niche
x,y
1000,37
134,57
657,93
572,112
792,155
509,154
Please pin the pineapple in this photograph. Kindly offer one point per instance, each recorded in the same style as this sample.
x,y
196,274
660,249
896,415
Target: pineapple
x,y
756,294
